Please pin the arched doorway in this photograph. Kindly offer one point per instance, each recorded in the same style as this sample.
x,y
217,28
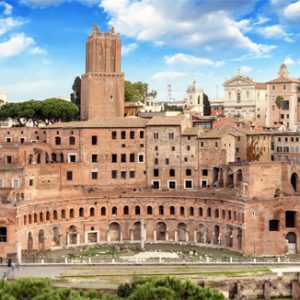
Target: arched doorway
x,y
182,232
239,176
30,241
41,238
216,239
161,231
137,231
239,238
72,235
201,234
114,232
56,236
294,181
229,178
229,236
292,242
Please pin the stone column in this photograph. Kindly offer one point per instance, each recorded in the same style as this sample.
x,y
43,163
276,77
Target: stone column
x,y
131,235
142,234
186,236
176,236
19,252
234,179
154,236
195,236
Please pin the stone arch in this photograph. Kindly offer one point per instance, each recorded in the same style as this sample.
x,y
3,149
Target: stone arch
x,y
30,159
41,217
71,213
92,212
48,216
216,235
53,157
41,239
30,241
72,235
137,210
201,235
239,176
161,210
56,236
137,231
295,182
149,210
114,210
103,211
239,238
172,210
229,236
230,175
182,210
161,231
114,232
291,238
182,232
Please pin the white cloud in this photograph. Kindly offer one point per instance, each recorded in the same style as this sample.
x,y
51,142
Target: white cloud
x,y
275,32
168,76
190,60
289,61
43,3
17,44
245,69
38,51
261,20
292,11
126,49
7,8
8,23
191,24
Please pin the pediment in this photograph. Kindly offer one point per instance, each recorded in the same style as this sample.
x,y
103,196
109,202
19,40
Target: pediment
x,y
239,80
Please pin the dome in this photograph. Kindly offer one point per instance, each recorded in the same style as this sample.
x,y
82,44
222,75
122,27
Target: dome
x,y
194,88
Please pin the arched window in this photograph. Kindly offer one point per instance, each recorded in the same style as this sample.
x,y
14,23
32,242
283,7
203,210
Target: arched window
x,y
63,214
114,210
137,210
181,210
81,212
72,140
71,213
209,212
55,214
149,210
229,215
48,216
191,211
216,213
238,97
200,211
25,220
29,219
172,210
103,211
161,210
41,217
35,218
57,140
126,210
92,212
223,214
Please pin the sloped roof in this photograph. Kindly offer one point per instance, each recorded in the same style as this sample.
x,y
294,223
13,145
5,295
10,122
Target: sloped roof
x,y
166,120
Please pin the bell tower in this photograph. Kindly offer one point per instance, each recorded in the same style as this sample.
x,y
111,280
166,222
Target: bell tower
x,y
102,85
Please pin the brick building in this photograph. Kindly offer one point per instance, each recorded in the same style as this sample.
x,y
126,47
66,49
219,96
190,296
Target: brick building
x,y
115,179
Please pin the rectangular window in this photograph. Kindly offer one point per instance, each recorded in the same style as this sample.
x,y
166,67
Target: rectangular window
x,y
94,140
286,105
155,184
172,185
114,158
142,134
173,148
94,158
141,158
290,218
132,157
188,148
8,139
72,158
8,159
123,158
94,175
132,135
113,135
114,174
167,161
123,174
188,184
156,135
156,161
273,225
171,135
155,172
3,234
69,175
132,174
123,135
22,140
16,183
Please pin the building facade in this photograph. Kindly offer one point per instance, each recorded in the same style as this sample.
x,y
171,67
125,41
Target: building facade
x,y
243,97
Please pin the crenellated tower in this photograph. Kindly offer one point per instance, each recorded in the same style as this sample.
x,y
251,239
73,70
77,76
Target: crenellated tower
x,y
102,86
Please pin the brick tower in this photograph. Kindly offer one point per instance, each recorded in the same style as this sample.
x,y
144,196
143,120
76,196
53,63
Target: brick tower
x,y
102,86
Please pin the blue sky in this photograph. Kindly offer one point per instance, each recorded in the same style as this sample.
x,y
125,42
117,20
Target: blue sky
x,y
42,42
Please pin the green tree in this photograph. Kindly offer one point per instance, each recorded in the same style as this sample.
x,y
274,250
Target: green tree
x,y
76,95
137,91
206,106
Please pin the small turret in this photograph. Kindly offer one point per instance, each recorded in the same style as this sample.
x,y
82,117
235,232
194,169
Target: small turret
x,y
283,71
